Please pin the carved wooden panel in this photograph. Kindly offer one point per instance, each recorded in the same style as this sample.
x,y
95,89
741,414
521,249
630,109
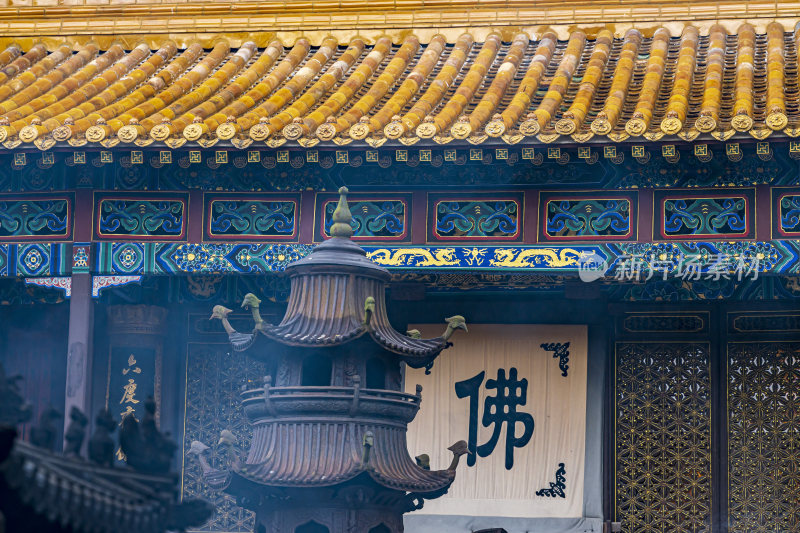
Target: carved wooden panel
x,y
662,444
214,377
763,437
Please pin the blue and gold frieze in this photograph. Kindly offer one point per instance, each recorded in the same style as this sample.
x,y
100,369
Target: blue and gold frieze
x,y
692,260
251,217
129,258
657,270
140,217
685,260
35,259
595,216
173,258
705,214
544,258
376,218
42,217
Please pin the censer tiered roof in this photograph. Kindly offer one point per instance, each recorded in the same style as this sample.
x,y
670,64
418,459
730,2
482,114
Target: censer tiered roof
x,y
332,456
652,82
338,296
307,436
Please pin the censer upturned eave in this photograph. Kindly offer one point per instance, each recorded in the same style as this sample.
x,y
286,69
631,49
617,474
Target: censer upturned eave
x,y
337,296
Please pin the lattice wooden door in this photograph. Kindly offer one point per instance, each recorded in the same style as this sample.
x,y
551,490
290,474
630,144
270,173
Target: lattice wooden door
x,y
706,416
214,377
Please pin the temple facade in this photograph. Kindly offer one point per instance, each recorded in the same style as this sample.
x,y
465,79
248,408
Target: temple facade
x,y
607,193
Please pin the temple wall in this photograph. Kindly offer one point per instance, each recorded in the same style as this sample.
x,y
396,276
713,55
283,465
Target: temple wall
x,y
33,344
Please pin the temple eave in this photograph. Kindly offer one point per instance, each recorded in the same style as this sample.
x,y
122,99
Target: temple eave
x,y
540,87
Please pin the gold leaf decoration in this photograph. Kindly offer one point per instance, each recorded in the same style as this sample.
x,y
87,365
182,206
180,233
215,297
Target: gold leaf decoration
x,y
529,128
226,131
635,127
44,143
601,126
375,142
760,133
408,141
193,131
689,135
95,134
205,142
274,142
394,129
241,142
723,135
77,141
260,132
513,138
426,130
775,121
62,133
110,142
653,135
308,142
177,142
292,131
161,132
28,134
495,128
326,132
359,131
126,134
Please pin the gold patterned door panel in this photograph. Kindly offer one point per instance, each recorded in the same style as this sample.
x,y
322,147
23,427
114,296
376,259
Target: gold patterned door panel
x,y
763,405
662,436
214,377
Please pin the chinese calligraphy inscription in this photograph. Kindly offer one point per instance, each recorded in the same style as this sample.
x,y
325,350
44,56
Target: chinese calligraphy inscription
x,y
131,379
498,410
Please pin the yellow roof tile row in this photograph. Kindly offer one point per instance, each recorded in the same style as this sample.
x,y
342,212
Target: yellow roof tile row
x,y
620,87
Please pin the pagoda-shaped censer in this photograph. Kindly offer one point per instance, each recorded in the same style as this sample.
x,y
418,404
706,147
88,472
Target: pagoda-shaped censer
x,y
328,451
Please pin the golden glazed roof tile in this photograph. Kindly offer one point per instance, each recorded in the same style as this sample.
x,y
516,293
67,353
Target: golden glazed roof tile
x,y
593,83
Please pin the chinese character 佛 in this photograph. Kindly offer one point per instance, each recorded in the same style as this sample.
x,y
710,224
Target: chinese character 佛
x,y
498,410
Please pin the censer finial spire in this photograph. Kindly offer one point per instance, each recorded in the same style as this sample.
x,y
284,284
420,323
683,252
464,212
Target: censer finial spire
x,y
342,217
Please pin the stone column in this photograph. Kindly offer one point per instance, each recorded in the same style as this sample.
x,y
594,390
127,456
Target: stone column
x,y
81,330
81,312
